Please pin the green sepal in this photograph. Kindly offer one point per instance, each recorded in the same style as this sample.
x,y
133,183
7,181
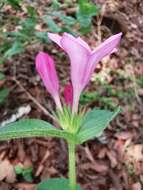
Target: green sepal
x,y
70,122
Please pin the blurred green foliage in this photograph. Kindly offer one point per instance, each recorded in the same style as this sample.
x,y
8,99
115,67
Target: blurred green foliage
x,y
3,94
3,91
57,21
14,3
107,102
140,81
86,10
109,96
129,167
25,173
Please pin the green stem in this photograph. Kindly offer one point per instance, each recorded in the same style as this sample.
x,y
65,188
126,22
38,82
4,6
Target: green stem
x,y
72,166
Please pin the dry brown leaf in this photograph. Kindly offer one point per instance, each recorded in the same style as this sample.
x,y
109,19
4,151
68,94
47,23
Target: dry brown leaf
x,y
94,166
134,152
136,186
102,153
7,171
25,186
112,157
124,135
5,186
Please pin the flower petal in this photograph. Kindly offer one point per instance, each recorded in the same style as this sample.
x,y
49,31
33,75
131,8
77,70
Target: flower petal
x,y
78,40
83,43
46,69
79,56
111,43
55,38
106,48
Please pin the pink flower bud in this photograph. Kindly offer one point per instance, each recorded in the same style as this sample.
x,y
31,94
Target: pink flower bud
x,y
68,94
46,68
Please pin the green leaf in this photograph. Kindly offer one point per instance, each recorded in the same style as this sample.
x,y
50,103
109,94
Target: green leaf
x,y
55,4
2,60
68,29
31,11
28,24
88,97
51,24
2,3
86,10
42,36
27,174
94,123
15,49
33,128
85,30
84,20
15,4
66,19
15,35
3,94
18,170
2,76
55,184
5,45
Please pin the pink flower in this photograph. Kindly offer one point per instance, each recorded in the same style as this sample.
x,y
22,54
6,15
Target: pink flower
x,y
68,94
83,59
46,69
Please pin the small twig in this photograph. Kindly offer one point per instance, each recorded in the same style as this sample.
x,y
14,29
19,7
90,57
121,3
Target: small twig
x,y
41,165
115,179
99,22
89,154
136,91
33,99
